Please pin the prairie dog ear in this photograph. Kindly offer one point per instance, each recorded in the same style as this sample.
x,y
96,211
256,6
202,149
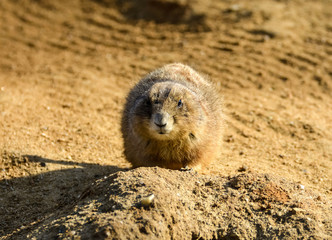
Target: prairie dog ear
x,y
201,102
204,108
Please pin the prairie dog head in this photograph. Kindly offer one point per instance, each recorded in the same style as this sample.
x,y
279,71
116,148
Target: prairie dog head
x,y
169,111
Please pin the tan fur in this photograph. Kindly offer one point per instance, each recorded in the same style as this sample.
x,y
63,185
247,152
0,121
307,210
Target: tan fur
x,y
160,130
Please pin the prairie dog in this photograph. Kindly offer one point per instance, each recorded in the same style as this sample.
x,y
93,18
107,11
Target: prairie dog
x,y
173,119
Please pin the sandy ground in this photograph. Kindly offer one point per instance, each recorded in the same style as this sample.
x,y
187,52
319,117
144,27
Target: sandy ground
x,y
65,70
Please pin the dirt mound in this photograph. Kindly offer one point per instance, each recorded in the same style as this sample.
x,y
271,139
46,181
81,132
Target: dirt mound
x,y
186,13
188,205
160,11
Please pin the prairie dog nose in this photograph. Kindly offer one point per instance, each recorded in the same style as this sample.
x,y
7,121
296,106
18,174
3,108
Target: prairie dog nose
x,y
161,119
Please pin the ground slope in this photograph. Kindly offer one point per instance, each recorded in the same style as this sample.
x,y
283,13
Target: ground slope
x,y
66,67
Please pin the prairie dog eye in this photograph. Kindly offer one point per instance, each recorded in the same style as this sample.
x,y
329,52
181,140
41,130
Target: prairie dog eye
x,y
180,103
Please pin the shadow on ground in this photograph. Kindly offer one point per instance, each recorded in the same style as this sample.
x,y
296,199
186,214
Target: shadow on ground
x,y
28,200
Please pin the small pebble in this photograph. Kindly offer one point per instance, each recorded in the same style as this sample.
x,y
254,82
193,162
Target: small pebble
x,y
147,201
243,169
297,210
235,7
72,233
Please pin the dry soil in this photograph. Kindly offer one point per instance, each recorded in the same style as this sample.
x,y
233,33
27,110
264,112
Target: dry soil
x,y
65,70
